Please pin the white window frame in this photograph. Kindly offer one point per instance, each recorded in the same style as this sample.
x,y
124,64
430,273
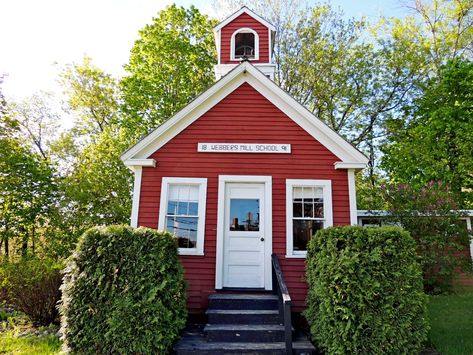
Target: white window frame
x,y
232,43
202,184
326,186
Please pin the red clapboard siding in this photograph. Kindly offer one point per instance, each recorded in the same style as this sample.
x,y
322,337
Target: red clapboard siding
x,y
463,278
263,122
244,20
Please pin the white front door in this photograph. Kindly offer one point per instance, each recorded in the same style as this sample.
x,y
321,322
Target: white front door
x,y
244,235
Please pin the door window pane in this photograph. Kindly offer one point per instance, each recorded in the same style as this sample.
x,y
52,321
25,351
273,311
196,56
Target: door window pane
x,y
244,214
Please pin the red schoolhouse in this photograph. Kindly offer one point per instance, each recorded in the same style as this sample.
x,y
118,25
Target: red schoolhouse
x,y
243,172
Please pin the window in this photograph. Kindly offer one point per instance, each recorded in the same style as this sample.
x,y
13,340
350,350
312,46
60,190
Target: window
x,y
182,212
309,208
244,43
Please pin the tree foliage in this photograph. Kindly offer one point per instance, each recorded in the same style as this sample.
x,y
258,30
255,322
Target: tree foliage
x,y
36,120
92,97
434,140
27,195
170,64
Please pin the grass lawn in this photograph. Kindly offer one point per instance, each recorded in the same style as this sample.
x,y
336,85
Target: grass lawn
x,y
30,344
451,318
18,336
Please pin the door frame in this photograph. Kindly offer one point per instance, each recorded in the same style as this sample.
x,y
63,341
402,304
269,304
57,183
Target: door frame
x,y
268,224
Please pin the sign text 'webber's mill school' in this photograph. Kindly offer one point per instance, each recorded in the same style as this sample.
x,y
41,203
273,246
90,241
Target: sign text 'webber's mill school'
x,y
243,148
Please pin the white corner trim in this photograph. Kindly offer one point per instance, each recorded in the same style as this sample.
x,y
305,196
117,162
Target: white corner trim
x,y
246,10
140,162
348,165
469,227
270,54
135,206
202,183
218,36
326,185
246,72
352,197
232,43
268,225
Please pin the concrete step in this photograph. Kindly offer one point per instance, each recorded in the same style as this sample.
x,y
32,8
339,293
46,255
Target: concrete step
x,y
195,345
248,333
246,316
243,301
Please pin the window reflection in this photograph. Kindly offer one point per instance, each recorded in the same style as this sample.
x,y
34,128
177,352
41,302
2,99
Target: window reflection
x,y
244,215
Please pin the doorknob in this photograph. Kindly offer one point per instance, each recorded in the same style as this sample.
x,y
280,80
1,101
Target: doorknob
x,y
262,239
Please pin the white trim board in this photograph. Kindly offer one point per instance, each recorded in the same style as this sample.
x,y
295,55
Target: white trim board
x,y
135,206
222,180
243,10
352,197
246,72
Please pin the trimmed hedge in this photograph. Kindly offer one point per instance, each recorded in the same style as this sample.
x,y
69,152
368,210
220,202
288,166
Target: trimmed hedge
x,y
365,291
123,292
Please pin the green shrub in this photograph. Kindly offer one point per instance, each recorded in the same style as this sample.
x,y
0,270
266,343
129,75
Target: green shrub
x,y
365,291
31,285
123,292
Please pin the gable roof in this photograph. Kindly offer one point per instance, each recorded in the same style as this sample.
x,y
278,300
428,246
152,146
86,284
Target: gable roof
x,y
350,157
247,11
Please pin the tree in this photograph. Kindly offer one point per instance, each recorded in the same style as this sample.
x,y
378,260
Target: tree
x,y
98,190
430,214
36,120
28,194
434,140
170,64
92,96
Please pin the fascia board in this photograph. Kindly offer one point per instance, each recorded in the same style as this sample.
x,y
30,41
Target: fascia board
x,y
246,10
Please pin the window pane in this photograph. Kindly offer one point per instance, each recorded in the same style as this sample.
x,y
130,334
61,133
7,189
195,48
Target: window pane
x,y
244,214
185,229
303,231
308,208
172,207
193,208
297,209
318,209
297,193
193,193
182,208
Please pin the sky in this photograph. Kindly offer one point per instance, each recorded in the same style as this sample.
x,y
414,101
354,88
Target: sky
x,y
39,37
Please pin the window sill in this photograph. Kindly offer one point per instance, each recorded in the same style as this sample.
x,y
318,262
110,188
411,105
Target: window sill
x,y
296,256
190,252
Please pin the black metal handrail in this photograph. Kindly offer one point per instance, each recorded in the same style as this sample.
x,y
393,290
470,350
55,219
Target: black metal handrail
x,y
280,288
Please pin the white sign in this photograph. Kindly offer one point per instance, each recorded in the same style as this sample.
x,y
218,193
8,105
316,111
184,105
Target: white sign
x,y
243,148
